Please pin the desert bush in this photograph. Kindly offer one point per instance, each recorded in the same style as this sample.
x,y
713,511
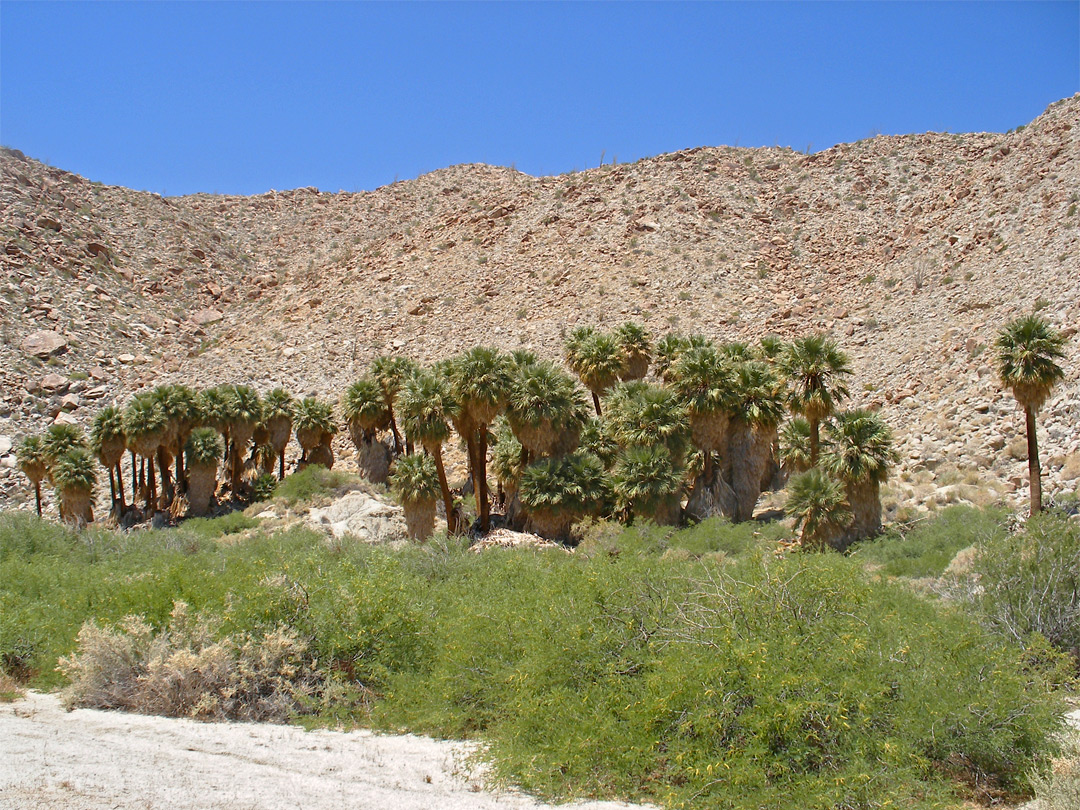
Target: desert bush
x,y
1029,581
183,670
1057,787
312,482
927,549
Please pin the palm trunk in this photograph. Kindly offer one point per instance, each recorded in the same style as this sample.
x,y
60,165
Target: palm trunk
x,y
448,500
120,486
134,476
419,519
202,480
865,502
393,429
1034,468
166,475
151,482
281,466
482,498
37,495
474,467
112,488
596,403
181,473
814,442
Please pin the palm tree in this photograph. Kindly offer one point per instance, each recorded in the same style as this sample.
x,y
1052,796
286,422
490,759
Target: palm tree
x,y
58,440
415,481
30,456
816,369
481,380
705,381
597,359
546,410
558,492
278,407
74,475
203,450
668,350
108,443
1027,353
315,429
648,483
427,406
795,446
860,454
365,411
244,414
816,501
636,348
144,424
391,373
508,463
639,414
757,406
178,404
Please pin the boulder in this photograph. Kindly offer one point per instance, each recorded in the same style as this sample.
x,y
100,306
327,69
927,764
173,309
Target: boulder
x,y
45,344
207,316
54,384
360,515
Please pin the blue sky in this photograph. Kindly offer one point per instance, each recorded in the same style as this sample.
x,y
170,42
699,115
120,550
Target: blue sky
x,y
244,97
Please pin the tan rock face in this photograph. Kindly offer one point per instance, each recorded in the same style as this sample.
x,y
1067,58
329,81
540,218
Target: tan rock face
x,y
44,344
912,251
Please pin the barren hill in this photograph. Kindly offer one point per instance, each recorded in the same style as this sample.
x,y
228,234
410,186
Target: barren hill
x,y
911,250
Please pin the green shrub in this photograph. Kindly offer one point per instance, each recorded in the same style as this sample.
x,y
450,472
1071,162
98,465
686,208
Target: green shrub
x,y
310,483
1029,581
927,549
263,487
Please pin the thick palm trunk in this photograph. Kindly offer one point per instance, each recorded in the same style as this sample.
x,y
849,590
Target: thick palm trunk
x,y
710,498
750,449
419,518
550,525
77,506
1034,468
865,502
444,487
166,475
373,458
202,480
596,403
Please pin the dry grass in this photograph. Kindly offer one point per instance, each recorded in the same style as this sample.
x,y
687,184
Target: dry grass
x,y
1059,787
183,671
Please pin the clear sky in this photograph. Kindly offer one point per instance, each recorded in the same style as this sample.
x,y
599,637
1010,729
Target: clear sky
x,y
245,97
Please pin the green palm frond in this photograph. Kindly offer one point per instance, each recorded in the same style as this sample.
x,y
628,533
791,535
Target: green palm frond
x,y
278,404
246,407
214,406
75,469
414,478
143,417
1027,353
391,373
597,439
645,478
705,380
506,455
575,484
364,405
758,395
316,416
860,447
643,414
816,369
203,448
427,407
543,393
481,380
31,458
816,502
59,439
795,444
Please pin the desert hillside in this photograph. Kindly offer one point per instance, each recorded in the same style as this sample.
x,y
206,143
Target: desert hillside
x,y
912,251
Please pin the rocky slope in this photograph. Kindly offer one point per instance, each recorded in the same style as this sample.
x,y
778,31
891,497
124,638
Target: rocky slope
x,y
912,251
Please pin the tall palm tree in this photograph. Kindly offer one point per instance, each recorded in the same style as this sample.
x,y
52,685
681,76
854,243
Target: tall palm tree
x,y
795,446
74,476
546,410
203,450
415,481
481,380
108,443
597,359
757,406
313,420
366,413
816,370
427,406
244,414
178,404
508,463
558,492
30,456
636,348
1027,353
860,454
144,423
816,501
391,372
278,408
705,380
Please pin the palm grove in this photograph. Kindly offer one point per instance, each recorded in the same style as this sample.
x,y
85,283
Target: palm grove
x,y
713,427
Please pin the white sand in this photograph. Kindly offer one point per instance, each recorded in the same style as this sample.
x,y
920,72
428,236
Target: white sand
x,y
87,759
